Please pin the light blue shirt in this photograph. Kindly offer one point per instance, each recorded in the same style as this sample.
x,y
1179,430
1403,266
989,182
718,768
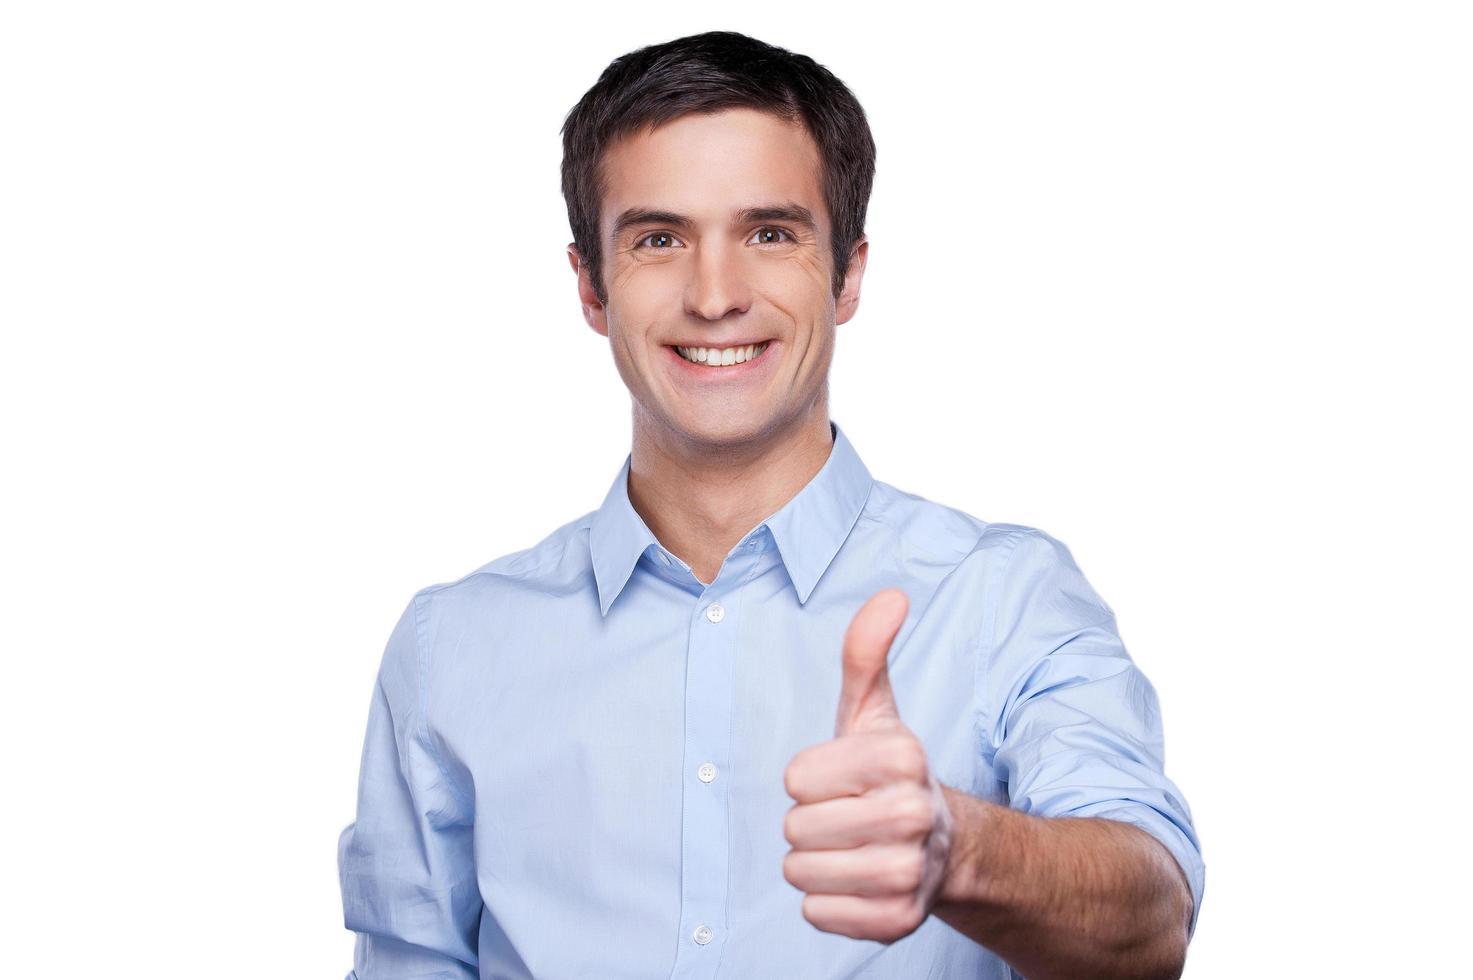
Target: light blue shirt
x,y
575,754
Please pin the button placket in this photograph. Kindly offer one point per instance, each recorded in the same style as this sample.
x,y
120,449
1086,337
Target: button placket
x,y
710,680
710,683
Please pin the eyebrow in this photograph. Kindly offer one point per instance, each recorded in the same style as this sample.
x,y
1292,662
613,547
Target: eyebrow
x,y
789,211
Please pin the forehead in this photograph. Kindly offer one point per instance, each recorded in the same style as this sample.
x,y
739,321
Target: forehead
x,y
707,164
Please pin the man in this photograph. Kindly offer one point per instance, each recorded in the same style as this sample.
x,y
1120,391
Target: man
x,y
759,714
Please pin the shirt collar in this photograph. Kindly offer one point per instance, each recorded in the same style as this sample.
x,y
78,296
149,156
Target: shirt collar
x,y
808,529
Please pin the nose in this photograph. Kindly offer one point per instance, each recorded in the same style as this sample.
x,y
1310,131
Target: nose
x,y
718,283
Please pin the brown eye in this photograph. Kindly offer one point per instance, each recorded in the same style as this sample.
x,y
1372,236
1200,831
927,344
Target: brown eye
x,y
666,240
770,236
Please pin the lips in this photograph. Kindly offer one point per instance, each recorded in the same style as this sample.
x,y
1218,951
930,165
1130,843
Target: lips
x,y
700,370
722,356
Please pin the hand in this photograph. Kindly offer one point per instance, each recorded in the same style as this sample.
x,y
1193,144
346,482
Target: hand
x,y
871,831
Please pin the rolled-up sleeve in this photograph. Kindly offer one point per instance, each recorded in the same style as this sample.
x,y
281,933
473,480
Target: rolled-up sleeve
x,y
1075,725
406,864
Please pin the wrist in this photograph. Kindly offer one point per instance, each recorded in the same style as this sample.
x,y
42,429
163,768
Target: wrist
x,y
977,831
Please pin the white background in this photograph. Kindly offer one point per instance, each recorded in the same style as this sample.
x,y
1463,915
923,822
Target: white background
x,y
288,333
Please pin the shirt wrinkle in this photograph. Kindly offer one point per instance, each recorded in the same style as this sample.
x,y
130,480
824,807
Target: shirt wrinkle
x,y
575,754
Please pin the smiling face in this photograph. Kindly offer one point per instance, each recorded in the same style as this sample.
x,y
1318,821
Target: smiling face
x,y
715,235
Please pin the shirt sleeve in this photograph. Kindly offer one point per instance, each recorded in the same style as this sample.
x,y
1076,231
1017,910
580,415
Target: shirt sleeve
x,y
1075,725
406,865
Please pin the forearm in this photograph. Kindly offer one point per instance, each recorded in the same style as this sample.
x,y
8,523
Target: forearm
x,y
1064,897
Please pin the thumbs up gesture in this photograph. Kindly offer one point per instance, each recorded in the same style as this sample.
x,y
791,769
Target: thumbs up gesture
x,y
871,830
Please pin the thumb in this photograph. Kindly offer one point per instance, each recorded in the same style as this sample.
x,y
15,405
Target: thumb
x,y
866,702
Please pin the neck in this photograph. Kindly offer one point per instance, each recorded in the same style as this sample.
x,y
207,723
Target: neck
x,y
700,499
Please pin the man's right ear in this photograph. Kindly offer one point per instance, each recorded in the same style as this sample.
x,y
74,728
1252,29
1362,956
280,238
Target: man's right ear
x,y
593,310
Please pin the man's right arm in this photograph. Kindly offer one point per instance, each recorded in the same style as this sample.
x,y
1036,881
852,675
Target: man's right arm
x,y
406,865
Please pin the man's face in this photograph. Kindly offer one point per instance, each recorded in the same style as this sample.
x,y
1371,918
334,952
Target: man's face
x,y
705,274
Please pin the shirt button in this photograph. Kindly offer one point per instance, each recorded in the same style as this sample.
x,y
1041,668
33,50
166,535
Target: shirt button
x,y
715,613
703,935
706,773
752,543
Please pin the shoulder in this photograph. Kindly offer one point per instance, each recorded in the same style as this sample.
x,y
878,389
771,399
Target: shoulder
x,y
557,565
1008,562
945,532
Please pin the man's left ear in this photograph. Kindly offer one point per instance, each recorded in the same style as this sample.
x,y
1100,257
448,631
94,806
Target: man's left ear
x,y
848,301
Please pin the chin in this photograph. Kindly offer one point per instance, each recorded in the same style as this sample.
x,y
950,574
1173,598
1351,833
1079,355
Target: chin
x,y
726,430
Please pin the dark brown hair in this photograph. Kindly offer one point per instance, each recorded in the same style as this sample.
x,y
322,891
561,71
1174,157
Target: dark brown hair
x,y
707,73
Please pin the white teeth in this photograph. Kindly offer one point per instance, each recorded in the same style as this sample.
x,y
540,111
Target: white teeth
x,y
715,357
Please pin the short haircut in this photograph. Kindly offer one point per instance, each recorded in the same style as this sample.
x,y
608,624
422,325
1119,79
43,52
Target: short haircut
x,y
708,73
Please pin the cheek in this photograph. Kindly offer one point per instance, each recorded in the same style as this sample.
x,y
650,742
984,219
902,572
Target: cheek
x,y
803,297
645,295
625,345
627,331
802,272
639,297
644,281
803,290
621,271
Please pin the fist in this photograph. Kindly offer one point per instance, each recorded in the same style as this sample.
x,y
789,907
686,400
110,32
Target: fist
x,y
870,830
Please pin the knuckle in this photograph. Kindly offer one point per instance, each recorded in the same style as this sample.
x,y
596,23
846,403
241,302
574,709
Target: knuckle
x,y
790,827
894,930
908,756
896,921
913,915
912,815
790,869
906,871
